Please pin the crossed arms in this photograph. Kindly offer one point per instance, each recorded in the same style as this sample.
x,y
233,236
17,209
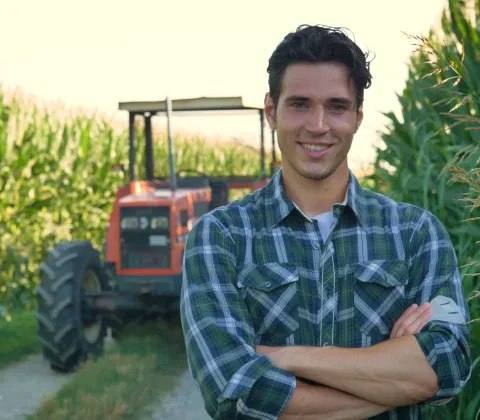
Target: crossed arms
x,y
359,383
239,380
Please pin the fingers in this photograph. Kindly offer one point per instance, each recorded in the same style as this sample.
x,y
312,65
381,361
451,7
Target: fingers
x,y
417,325
400,320
417,318
412,321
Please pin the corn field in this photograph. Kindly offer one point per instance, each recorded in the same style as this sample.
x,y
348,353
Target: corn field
x,y
438,124
431,158
56,182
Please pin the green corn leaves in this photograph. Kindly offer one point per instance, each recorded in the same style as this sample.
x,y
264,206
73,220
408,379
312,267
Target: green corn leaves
x,y
56,182
431,158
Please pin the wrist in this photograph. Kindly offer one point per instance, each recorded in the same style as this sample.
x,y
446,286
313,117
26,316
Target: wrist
x,y
311,362
297,359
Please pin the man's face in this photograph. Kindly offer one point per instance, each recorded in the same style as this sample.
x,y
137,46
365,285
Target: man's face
x,y
315,119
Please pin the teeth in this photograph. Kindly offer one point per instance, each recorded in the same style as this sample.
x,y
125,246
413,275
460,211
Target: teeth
x,y
314,147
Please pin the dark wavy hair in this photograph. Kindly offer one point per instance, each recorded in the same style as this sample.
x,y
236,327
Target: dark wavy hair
x,y
317,44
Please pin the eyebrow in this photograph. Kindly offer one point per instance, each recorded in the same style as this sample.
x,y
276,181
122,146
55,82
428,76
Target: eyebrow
x,y
344,101
339,100
295,98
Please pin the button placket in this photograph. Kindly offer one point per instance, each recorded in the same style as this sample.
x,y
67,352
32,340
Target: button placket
x,y
326,293
315,254
318,254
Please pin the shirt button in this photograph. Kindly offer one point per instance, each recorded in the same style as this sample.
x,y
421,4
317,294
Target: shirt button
x,y
316,246
268,284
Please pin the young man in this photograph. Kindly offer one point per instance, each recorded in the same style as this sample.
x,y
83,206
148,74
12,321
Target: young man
x,y
312,297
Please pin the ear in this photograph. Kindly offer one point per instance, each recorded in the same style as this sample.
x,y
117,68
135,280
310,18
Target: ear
x,y
359,118
270,111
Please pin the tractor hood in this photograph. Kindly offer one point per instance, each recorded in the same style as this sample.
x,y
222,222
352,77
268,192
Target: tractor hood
x,y
155,195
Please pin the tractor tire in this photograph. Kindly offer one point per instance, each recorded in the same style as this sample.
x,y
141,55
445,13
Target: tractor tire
x,y
70,333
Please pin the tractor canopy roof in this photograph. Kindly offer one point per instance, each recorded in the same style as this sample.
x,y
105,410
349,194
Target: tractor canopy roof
x,y
225,103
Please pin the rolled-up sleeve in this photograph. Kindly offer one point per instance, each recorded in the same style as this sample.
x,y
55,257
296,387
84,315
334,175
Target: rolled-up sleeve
x,y
436,279
234,380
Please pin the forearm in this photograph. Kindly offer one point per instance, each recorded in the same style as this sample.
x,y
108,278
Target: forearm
x,y
311,402
392,373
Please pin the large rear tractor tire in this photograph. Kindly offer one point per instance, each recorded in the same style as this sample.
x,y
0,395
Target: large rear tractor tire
x,y
68,331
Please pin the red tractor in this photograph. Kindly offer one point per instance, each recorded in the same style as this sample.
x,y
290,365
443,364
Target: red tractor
x,y
83,293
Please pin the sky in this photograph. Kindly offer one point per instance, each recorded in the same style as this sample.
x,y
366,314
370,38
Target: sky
x,y
92,54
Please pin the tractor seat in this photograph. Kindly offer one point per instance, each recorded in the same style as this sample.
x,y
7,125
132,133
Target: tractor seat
x,y
193,182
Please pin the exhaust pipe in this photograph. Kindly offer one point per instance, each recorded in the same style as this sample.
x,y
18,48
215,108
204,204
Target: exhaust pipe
x,y
171,149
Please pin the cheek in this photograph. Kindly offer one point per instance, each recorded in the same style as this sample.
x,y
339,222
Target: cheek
x,y
342,126
292,120
291,131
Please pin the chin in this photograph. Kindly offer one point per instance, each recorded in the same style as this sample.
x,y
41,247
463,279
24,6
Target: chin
x,y
315,175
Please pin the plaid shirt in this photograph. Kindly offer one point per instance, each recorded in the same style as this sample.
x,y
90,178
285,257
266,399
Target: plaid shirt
x,y
258,272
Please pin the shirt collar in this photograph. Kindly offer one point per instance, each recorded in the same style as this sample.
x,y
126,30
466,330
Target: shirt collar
x,y
279,206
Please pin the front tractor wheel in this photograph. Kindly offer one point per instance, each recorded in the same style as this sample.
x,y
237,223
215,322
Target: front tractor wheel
x,y
68,330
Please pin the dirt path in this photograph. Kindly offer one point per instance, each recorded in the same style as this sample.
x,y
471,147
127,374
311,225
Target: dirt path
x,y
24,384
183,403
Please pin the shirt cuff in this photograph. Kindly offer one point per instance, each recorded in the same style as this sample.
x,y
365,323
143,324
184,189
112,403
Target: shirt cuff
x,y
435,345
257,390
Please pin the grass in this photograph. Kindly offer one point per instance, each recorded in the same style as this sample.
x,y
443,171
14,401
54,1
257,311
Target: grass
x,y
18,337
143,366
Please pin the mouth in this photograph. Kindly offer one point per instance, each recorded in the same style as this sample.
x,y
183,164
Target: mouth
x,y
315,150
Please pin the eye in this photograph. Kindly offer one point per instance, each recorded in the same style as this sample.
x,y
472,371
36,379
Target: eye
x,y
299,105
338,107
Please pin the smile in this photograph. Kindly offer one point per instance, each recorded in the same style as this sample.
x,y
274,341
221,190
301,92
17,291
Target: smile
x,y
315,151
315,146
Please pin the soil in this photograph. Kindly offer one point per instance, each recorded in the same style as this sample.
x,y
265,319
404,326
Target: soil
x,y
183,403
24,384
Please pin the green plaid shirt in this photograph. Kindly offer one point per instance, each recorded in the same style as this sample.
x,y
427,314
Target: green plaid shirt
x,y
257,271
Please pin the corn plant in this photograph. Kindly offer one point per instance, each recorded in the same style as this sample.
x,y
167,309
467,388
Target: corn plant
x,y
56,182
431,159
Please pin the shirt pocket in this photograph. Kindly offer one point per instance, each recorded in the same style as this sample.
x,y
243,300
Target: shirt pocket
x,y
379,297
270,292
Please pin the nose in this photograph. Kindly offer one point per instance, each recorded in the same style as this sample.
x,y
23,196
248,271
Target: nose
x,y
318,121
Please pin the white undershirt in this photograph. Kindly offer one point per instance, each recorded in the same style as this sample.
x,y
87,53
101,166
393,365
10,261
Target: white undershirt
x,y
325,223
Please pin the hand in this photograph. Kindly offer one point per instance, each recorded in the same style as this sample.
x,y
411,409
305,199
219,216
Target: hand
x,y
412,320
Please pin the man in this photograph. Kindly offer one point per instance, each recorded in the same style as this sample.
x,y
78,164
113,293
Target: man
x,y
312,297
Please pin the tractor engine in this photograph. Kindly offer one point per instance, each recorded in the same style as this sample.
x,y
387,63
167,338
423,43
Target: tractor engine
x,y
148,230
145,237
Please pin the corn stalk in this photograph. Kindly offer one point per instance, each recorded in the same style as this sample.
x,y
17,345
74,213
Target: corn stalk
x,y
56,182
436,159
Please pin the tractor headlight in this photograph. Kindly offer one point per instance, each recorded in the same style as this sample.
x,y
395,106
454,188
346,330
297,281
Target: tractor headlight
x,y
129,223
159,223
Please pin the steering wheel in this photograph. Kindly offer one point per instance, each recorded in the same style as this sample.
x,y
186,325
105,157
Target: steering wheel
x,y
188,170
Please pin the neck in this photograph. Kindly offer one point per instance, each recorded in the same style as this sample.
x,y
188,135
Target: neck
x,y
316,196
